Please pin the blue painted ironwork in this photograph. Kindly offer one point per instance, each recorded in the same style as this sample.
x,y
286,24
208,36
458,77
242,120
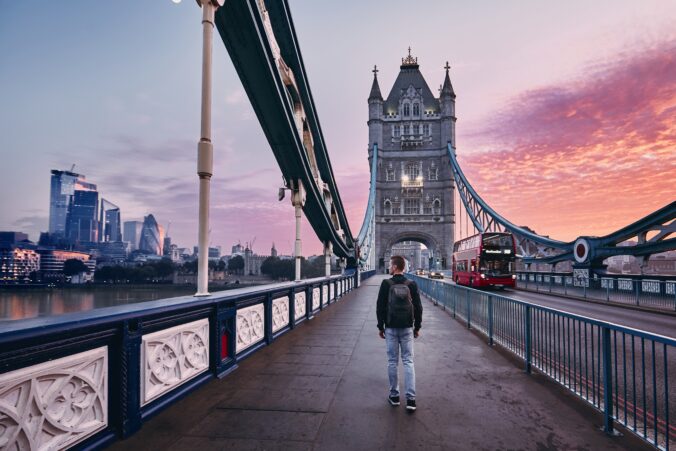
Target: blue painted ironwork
x,y
262,43
586,251
366,237
622,372
655,292
24,343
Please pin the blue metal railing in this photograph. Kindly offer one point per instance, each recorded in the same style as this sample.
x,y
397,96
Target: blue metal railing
x,y
624,373
141,353
655,292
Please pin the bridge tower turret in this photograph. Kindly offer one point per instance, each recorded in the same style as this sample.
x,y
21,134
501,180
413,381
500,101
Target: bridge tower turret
x,y
447,104
375,122
414,183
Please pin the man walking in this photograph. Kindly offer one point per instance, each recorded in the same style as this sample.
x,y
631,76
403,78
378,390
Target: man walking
x,y
399,312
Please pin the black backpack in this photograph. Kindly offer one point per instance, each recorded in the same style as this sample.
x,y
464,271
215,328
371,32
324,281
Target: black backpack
x,y
399,305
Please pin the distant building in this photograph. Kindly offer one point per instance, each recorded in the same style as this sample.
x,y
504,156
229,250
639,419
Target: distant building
x,y
237,249
411,251
12,237
151,236
62,188
253,262
113,251
52,260
18,258
215,253
109,222
132,234
82,225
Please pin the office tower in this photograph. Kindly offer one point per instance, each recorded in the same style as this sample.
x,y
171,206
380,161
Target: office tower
x,y
82,225
63,186
132,233
151,236
109,222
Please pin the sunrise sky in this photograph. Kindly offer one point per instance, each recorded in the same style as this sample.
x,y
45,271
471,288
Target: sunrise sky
x,y
566,112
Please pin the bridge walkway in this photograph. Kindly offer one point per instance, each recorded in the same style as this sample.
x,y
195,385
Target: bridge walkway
x,y
324,386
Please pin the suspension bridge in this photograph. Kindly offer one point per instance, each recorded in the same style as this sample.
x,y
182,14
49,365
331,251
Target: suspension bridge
x,y
299,364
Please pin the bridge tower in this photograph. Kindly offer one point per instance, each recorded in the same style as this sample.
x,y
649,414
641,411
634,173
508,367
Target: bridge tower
x,y
414,186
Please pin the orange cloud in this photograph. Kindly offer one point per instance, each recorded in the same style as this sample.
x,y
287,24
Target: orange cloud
x,y
585,158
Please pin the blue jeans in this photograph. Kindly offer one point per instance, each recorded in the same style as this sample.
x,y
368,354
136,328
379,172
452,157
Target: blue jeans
x,y
396,338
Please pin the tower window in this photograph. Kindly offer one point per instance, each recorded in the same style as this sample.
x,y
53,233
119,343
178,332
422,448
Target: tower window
x,y
389,175
426,129
411,207
412,171
436,206
416,109
407,110
388,207
396,131
433,174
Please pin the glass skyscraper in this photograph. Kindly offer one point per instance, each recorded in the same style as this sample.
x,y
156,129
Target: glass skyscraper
x,y
63,186
151,236
82,225
109,222
132,233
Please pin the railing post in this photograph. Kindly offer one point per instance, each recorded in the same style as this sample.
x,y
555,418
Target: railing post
x,y
455,291
608,282
607,383
490,320
469,312
130,379
636,286
528,351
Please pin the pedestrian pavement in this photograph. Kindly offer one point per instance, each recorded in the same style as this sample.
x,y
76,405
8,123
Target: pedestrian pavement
x,y
324,386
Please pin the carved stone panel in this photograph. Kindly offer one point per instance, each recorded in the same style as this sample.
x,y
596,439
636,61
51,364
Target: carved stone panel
x,y
325,294
56,404
315,299
280,313
173,356
250,326
299,300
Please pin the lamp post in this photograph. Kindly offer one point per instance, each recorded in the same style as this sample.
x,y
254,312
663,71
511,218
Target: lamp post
x,y
205,149
298,200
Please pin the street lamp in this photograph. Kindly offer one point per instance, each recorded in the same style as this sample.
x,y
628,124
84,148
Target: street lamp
x,y
205,149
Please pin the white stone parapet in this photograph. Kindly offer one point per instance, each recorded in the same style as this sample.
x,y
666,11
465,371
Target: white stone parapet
x,y
56,404
170,357
250,324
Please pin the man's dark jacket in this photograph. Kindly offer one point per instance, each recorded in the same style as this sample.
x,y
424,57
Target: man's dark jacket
x,y
384,293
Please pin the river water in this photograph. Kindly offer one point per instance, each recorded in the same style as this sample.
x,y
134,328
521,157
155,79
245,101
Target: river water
x,y
32,303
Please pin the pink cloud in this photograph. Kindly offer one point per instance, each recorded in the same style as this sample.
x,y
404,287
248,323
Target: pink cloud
x,y
587,157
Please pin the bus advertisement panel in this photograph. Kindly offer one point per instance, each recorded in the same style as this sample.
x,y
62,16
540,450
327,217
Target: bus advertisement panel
x,y
485,260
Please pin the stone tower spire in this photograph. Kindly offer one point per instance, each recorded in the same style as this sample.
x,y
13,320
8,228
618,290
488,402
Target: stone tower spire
x,y
375,122
375,88
447,104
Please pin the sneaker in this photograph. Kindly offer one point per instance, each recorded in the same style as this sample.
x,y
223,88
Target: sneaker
x,y
410,404
394,400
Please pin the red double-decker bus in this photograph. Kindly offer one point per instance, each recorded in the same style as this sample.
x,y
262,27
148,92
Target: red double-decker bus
x,y
485,260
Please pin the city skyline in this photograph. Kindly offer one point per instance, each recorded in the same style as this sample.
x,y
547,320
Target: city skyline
x,y
592,97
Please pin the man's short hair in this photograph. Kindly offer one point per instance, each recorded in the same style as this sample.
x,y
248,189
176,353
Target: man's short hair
x,y
399,262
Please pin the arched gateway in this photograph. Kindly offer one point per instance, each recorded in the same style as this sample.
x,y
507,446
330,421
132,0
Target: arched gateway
x,y
414,184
